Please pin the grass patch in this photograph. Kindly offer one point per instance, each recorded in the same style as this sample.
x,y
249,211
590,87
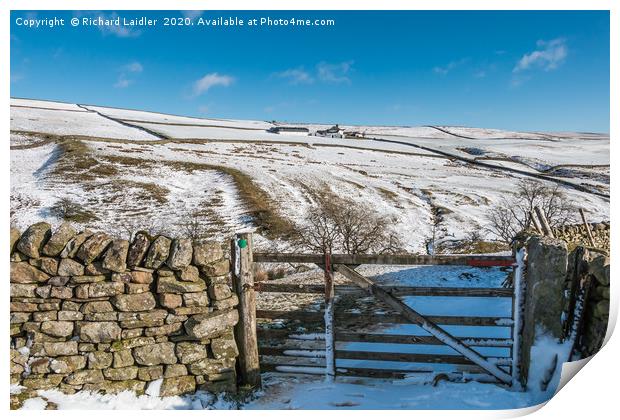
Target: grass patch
x,y
148,190
388,194
70,211
267,217
471,247
78,164
355,184
260,206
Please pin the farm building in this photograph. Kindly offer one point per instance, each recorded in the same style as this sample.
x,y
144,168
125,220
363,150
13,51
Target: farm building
x,y
301,131
332,132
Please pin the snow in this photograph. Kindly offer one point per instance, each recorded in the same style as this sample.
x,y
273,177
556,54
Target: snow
x,y
134,115
30,196
306,387
543,351
153,389
435,275
34,404
125,400
34,103
16,389
289,174
401,181
65,122
413,393
285,391
34,191
570,150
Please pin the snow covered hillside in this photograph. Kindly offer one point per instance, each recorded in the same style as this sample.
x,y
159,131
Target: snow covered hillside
x,y
132,169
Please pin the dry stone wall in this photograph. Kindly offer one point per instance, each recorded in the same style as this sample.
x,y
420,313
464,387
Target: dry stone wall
x,y
566,295
93,312
596,315
577,234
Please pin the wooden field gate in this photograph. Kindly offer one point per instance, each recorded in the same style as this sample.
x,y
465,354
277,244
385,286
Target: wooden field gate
x,y
336,337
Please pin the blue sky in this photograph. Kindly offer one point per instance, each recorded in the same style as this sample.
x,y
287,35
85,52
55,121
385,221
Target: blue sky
x,y
530,70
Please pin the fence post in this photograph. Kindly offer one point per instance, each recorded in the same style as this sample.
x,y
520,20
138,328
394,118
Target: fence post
x,y
245,330
519,378
535,223
544,223
587,226
330,350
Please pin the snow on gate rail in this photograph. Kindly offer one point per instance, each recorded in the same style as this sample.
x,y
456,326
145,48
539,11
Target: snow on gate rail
x,y
372,344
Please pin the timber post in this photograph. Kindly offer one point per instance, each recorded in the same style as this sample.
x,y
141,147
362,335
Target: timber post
x,y
519,376
544,223
535,223
587,226
245,330
330,343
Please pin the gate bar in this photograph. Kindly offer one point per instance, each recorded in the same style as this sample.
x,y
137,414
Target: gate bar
x,y
388,259
427,325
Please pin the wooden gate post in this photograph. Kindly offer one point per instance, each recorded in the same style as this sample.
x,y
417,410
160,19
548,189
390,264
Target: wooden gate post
x,y
330,342
245,330
519,378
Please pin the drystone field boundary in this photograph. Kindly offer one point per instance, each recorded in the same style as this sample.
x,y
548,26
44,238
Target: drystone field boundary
x,y
92,312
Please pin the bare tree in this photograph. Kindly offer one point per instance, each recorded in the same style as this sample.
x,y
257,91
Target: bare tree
x,y
513,214
335,224
437,229
193,228
320,233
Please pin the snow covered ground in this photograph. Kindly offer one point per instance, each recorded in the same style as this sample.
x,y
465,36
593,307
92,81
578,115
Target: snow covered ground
x,y
405,187
64,119
299,392
399,180
130,178
415,391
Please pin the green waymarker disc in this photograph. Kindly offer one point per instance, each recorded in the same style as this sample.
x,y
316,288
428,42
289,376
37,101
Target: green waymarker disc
x,y
243,243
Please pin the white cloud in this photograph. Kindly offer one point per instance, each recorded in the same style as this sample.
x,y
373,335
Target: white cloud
x,y
192,14
210,80
295,76
122,82
57,53
119,31
16,77
548,56
449,67
334,73
480,74
134,67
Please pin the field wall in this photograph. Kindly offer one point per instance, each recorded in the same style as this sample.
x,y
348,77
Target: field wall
x,y
92,312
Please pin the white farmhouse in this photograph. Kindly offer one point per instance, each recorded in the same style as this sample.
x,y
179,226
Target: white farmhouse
x,y
334,132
